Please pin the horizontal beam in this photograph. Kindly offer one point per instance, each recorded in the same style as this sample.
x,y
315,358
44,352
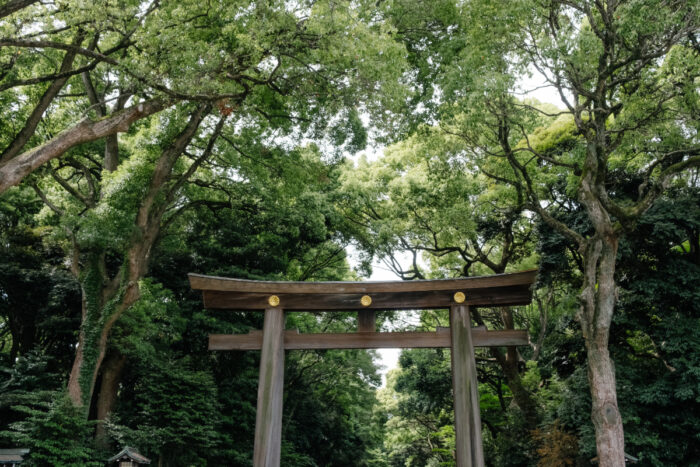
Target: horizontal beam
x,y
225,284
293,340
496,296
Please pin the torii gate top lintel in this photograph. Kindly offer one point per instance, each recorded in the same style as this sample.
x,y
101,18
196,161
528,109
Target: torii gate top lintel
x,y
239,294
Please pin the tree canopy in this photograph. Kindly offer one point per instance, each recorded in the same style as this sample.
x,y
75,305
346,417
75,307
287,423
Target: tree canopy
x,y
142,140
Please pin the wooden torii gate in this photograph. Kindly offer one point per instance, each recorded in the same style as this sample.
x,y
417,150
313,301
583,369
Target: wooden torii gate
x,y
366,297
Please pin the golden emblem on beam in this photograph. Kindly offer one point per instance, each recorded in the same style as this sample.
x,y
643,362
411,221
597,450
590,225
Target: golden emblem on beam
x,y
459,297
366,300
274,300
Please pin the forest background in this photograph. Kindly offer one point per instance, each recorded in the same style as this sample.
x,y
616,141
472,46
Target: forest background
x,y
143,140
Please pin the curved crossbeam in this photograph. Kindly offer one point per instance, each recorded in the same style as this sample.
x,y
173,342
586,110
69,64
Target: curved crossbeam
x,y
237,294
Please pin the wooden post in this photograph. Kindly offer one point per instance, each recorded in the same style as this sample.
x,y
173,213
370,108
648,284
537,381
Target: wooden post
x,y
268,419
470,452
366,321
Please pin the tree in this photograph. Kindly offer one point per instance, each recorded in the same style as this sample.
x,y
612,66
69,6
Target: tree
x,y
56,433
654,332
203,54
39,299
418,400
329,393
42,61
174,414
626,85
650,332
422,199
294,75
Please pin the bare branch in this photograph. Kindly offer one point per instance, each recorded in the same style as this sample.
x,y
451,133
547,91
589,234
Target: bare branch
x,y
46,200
15,5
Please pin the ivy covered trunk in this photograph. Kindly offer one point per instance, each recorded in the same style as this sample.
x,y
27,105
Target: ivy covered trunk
x,y
101,308
106,298
110,376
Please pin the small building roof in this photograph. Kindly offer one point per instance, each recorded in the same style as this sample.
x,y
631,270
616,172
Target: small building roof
x,y
12,456
132,454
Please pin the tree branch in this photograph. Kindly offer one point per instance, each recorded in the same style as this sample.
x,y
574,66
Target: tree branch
x,y
13,171
15,5
35,117
198,162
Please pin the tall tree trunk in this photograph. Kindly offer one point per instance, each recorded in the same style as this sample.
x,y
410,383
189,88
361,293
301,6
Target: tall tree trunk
x,y
105,299
598,298
74,391
509,364
110,377
100,312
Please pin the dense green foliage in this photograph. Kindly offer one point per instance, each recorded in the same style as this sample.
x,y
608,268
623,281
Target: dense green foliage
x,y
144,140
55,433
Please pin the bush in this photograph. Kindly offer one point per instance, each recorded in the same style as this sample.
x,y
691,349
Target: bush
x,y
56,433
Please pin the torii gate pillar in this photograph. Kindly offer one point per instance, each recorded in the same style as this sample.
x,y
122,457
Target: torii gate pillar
x,y
468,443
268,417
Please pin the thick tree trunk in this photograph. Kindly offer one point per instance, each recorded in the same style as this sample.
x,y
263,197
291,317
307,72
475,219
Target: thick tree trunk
x,y
111,375
609,432
98,319
105,300
598,298
74,391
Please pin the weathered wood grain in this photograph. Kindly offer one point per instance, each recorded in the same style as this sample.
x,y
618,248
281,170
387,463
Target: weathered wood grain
x,y
293,340
468,441
268,418
366,321
495,296
224,284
